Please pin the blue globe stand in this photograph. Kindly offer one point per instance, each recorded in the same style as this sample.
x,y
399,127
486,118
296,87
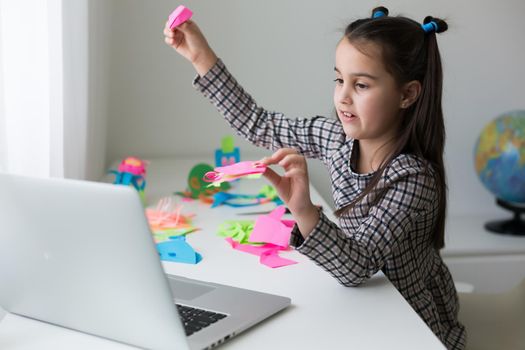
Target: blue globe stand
x,y
514,226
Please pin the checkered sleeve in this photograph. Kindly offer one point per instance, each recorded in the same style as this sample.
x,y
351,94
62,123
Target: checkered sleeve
x,y
353,256
312,137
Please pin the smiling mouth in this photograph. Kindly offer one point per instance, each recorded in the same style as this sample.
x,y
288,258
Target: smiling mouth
x,y
347,116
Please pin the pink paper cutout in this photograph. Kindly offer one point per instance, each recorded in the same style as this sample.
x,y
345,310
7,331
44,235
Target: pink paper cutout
x,y
252,249
271,229
268,253
212,176
234,171
242,168
273,260
180,15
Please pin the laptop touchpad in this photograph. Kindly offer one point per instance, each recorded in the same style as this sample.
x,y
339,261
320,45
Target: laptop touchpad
x,y
188,290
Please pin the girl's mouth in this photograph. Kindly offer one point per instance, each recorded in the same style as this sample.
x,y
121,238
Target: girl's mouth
x,y
347,116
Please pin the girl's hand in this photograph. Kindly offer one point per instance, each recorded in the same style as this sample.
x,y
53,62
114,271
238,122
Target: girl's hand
x,y
293,187
188,40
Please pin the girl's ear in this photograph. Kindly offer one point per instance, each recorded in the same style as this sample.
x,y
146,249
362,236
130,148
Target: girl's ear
x,y
409,93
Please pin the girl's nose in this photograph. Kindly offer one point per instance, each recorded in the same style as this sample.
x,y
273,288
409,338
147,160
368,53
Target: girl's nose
x,y
344,96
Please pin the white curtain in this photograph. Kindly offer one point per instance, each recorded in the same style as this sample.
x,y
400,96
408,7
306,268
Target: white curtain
x,y
31,88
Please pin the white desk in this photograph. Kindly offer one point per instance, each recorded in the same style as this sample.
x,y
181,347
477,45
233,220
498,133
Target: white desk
x,y
324,314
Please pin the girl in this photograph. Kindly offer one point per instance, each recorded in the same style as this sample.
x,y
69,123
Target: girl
x,y
384,155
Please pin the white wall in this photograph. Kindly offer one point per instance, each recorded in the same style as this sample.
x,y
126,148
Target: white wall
x,y
99,84
283,54
86,79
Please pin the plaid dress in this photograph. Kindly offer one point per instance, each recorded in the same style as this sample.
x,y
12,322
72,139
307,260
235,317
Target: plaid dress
x,y
389,230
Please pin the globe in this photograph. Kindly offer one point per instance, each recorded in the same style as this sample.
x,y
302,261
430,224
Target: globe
x,y
499,157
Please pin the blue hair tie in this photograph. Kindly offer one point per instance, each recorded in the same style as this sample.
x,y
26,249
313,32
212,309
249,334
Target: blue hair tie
x,y
430,27
378,14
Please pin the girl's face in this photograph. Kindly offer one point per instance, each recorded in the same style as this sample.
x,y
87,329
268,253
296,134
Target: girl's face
x,y
366,97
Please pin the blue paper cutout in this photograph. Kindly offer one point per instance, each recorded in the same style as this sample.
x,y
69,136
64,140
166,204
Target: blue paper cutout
x,y
178,250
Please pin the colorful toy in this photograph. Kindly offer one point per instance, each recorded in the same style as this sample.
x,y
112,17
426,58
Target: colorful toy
x,y
233,172
132,171
228,154
180,15
198,188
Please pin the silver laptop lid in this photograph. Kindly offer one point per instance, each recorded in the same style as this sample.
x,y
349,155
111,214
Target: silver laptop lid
x,y
62,262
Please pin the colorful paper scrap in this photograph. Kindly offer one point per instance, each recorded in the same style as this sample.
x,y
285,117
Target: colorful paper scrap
x,y
271,229
180,15
178,250
249,169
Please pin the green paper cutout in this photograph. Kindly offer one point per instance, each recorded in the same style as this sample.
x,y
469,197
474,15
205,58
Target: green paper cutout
x,y
269,192
227,144
238,230
197,186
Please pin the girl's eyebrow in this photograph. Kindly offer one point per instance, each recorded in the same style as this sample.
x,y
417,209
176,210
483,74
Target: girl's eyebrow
x,y
359,74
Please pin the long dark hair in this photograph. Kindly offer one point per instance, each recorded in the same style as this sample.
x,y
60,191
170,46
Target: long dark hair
x,y
409,53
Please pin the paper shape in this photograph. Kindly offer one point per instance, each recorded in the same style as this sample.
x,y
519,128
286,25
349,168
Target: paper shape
x,y
238,200
164,235
273,260
242,168
197,187
228,154
273,237
235,171
271,229
252,249
178,250
268,253
238,230
167,216
180,15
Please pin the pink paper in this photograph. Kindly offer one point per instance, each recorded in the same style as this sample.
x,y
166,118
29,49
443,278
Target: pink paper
x,y
242,168
273,260
252,249
180,15
234,171
268,253
271,229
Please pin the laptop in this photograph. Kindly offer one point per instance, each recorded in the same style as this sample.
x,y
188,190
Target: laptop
x,y
80,255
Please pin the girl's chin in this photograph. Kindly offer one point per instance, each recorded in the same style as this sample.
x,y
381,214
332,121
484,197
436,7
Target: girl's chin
x,y
350,132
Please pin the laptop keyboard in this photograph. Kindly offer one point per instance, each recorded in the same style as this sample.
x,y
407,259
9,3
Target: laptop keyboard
x,y
195,319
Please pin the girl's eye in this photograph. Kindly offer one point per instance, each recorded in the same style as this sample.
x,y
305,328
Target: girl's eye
x,y
361,86
338,81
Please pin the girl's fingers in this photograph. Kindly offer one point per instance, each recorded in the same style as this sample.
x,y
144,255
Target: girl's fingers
x,y
295,172
169,41
278,156
168,33
292,160
272,176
